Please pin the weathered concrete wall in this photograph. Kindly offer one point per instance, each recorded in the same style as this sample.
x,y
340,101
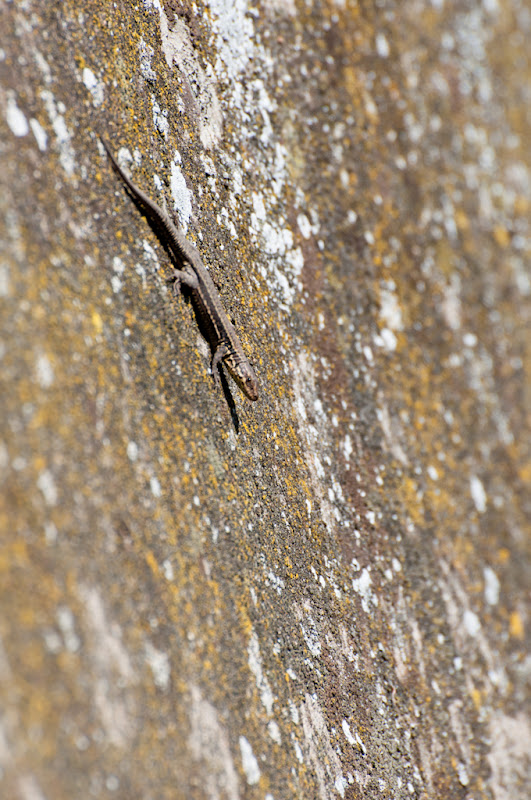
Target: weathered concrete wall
x,y
324,594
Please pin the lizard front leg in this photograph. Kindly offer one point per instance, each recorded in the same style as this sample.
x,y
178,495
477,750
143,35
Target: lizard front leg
x,y
185,276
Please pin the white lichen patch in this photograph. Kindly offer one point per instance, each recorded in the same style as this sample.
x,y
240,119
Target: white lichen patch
x,y
275,581
124,157
387,339
274,731
468,632
362,585
179,49
44,371
305,226
146,55
390,311
132,450
432,472
471,623
111,671
310,633
314,439
393,432
63,136
160,117
353,738
479,496
66,622
159,664
285,261
249,762
46,483
94,86
451,303
382,45
209,745
41,137
510,746
182,196
5,286
234,30
318,748
28,788
286,7
256,667
154,485
492,586
15,117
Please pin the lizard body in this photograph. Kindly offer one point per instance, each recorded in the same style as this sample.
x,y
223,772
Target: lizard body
x,y
190,271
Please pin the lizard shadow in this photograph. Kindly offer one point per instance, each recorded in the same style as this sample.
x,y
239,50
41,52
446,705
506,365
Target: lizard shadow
x,y
229,400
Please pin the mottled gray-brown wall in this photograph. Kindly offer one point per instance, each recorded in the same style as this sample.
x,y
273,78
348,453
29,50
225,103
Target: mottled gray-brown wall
x,y
326,593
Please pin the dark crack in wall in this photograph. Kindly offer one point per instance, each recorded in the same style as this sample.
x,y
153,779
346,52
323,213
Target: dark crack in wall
x,y
324,594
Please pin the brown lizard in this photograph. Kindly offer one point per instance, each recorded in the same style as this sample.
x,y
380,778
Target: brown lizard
x,y
190,271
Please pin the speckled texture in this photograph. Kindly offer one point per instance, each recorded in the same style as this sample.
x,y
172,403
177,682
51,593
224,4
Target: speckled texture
x,y
331,598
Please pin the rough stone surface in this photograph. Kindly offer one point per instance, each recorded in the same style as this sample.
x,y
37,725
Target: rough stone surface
x,y
325,594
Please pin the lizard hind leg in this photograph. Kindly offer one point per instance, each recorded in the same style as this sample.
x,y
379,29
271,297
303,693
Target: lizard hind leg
x,y
219,354
182,276
174,280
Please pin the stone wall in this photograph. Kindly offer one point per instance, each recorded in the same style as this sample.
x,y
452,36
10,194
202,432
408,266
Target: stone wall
x,y
326,593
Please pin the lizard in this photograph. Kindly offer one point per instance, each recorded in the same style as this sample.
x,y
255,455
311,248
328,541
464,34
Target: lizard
x,y
190,272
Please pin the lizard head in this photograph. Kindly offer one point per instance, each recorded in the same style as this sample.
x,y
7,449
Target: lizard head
x,y
246,379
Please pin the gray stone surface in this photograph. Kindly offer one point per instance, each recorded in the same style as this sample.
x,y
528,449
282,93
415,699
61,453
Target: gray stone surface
x,y
324,594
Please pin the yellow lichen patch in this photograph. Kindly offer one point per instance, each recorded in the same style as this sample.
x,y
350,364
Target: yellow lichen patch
x,y
410,497
503,555
461,220
501,235
97,322
516,625
446,256
525,473
521,205
14,555
152,562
